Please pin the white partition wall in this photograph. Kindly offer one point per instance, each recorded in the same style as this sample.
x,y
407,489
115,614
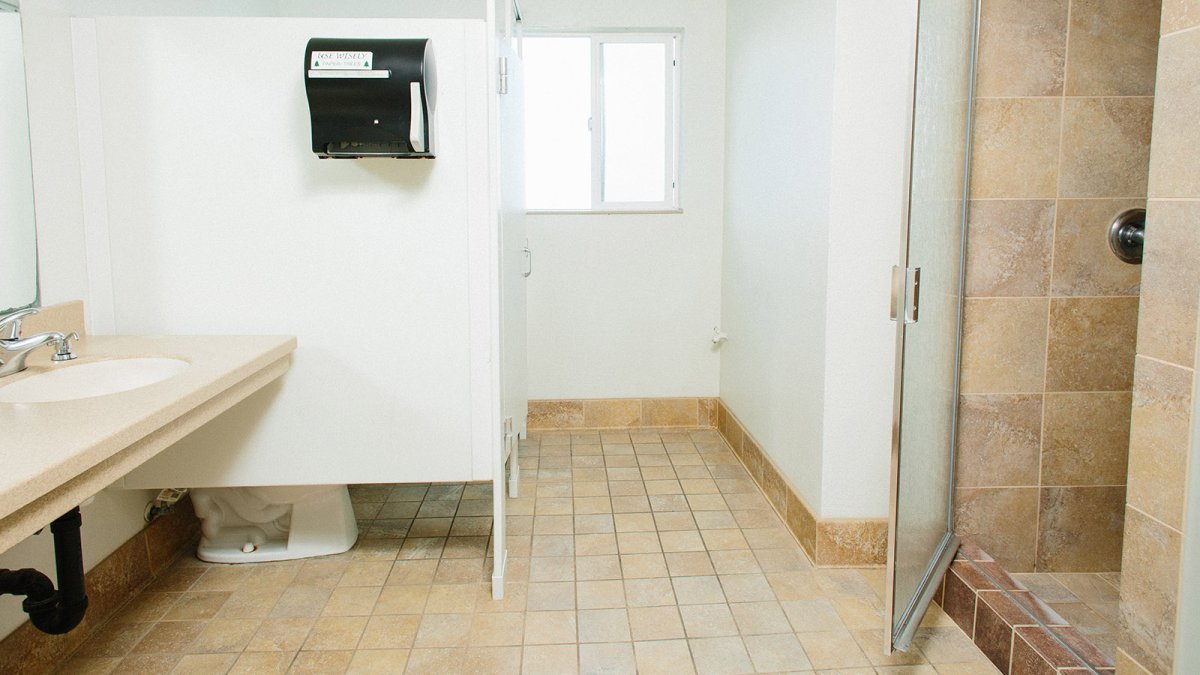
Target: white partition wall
x,y
221,220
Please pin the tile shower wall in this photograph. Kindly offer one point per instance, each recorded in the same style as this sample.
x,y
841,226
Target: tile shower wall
x,y
1164,373
1061,145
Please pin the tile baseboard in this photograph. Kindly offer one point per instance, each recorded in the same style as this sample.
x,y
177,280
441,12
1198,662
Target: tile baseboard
x,y
110,584
622,413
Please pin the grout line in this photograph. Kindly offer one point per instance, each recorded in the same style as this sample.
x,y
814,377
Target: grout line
x,y
1053,297
1174,529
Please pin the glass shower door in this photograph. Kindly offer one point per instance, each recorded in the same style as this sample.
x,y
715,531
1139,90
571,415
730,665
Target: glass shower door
x,y
928,289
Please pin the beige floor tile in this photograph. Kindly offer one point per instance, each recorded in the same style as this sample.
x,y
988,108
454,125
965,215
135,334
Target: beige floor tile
x,y
550,596
649,592
689,564
550,660
663,657
451,599
442,660
493,660
638,542
443,630
225,636
760,618
594,524
832,649
543,628
352,601
148,664
410,572
595,544
321,662
603,625
390,632
608,594
698,590
378,661
701,621
720,656
262,663
643,565
771,653
169,637
332,633
597,659
552,569
197,606
366,573
401,600
501,629
746,587
715,519
724,540
812,616
859,613
555,545
681,541
204,664
82,665
593,568
655,623
634,522
734,562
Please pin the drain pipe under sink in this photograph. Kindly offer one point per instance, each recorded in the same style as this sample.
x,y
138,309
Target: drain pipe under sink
x,y
51,611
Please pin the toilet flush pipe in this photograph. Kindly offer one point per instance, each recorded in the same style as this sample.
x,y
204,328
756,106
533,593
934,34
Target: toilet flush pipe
x,y
51,611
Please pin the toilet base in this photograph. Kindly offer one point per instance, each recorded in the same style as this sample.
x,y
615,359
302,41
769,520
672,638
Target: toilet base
x,y
318,524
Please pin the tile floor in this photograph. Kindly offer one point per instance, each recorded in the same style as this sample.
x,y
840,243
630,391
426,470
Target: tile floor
x,y
647,551
1090,602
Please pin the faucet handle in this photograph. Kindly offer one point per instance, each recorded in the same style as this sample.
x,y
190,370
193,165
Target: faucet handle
x,y
64,352
13,321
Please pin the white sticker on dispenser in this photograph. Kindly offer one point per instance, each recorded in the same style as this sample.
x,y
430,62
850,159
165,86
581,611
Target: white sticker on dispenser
x,y
341,60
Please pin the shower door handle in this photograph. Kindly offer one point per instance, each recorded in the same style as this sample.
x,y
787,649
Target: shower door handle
x,y
906,293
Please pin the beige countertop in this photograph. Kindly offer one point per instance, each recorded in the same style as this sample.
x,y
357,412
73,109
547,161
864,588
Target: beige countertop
x,y
57,454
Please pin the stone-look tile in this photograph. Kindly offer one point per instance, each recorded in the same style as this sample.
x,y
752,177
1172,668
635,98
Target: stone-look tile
x,y
999,439
1033,649
1159,440
1171,283
1179,15
1149,586
1085,439
998,519
663,657
1004,345
670,412
1080,529
1105,147
993,635
775,487
1091,344
1083,262
1008,247
1015,150
802,524
1112,47
112,581
1022,48
608,413
708,412
851,542
1127,665
555,414
169,535
1174,165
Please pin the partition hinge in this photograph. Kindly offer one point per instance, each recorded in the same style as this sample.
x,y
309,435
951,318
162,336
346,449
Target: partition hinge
x,y
906,293
503,74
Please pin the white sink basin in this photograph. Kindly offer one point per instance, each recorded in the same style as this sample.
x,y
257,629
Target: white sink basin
x,y
85,380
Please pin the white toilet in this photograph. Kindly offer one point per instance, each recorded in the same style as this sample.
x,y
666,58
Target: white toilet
x,y
261,524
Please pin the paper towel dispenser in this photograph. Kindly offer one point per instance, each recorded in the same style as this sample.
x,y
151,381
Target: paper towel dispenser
x,y
370,97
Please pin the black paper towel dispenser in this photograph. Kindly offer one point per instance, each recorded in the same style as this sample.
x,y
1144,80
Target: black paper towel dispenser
x,y
370,97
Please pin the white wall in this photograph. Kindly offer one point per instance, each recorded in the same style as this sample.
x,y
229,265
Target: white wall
x,y
872,99
18,250
624,305
221,220
778,134
115,515
817,110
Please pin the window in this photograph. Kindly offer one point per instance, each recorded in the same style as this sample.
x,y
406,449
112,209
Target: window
x,y
601,118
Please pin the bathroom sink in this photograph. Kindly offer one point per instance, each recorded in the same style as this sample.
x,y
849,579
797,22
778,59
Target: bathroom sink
x,y
86,380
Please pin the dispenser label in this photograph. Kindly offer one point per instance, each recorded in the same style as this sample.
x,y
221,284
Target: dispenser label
x,y
342,60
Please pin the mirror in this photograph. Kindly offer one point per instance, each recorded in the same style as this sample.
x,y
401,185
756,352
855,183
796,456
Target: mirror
x,y
18,238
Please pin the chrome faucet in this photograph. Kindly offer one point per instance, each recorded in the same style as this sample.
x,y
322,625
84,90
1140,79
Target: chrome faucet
x,y
14,349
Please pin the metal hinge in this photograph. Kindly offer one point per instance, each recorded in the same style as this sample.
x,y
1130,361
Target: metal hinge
x,y
503,74
906,293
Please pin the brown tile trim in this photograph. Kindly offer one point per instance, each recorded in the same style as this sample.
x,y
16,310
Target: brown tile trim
x,y
1002,629
622,413
111,583
829,542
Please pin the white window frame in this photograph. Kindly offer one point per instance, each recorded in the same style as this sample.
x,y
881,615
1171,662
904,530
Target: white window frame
x,y
671,40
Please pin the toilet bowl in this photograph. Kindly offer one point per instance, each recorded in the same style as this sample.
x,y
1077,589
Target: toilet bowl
x,y
260,524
